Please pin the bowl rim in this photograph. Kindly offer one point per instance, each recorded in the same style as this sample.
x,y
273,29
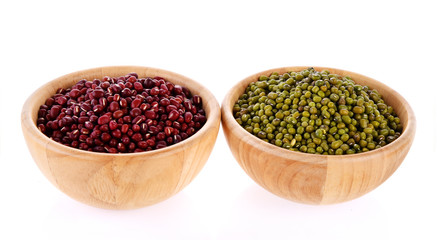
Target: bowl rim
x,y
212,120
228,118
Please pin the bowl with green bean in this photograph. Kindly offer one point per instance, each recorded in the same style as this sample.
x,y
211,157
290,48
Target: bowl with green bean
x,y
317,135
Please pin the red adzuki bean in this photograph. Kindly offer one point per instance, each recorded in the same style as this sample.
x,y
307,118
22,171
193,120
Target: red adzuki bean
x,y
121,115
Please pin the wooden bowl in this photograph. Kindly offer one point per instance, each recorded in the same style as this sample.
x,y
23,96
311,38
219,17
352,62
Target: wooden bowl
x,y
120,181
310,178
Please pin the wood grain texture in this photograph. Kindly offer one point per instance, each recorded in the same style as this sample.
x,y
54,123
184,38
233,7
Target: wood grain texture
x,y
120,181
310,178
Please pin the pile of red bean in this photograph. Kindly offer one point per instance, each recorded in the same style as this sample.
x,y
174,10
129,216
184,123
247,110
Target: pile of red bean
x,y
121,115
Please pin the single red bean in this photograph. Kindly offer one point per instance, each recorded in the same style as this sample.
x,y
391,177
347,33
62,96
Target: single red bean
x,y
177,89
104,84
130,132
116,133
50,101
55,125
154,91
150,142
149,83
193,110
85,131
89,141
65,130
161,144
98,142
103,120
98,93
190,131
61,100
124,128
117,114
136,128
76,110
197,100
168,131
143,128
160,136
173,115
125,140
169,108
174,102
202,119
123,103
131,146
144,106
104,128
181,119
136,112
176,125
98,108
137,120
142,144
113,125
116,88
121,147
137,137
187,103
138,86
54,111
188,117
75,144
67,121
131,77
94,118
150,114
136,103
112,150
128,85
103,101
74,93
85,107
40,121
42,128
113,142
105,137
153,130
164,102
82,137
96,134
75,126
98,149
89,125
68,111
114,106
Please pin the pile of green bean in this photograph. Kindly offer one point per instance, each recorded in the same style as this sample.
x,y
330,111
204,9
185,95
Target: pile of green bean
x,y
316,112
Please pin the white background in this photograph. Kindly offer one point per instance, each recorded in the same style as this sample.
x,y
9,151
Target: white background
x,y
217,44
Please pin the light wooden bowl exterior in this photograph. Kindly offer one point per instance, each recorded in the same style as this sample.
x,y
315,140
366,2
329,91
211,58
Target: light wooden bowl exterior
x,y
120,181
310,178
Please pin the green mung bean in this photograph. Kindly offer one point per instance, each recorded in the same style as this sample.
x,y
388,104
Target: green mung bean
x,y
317,112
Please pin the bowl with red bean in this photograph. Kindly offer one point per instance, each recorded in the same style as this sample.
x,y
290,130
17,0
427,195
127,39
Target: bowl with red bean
x,y
121,137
